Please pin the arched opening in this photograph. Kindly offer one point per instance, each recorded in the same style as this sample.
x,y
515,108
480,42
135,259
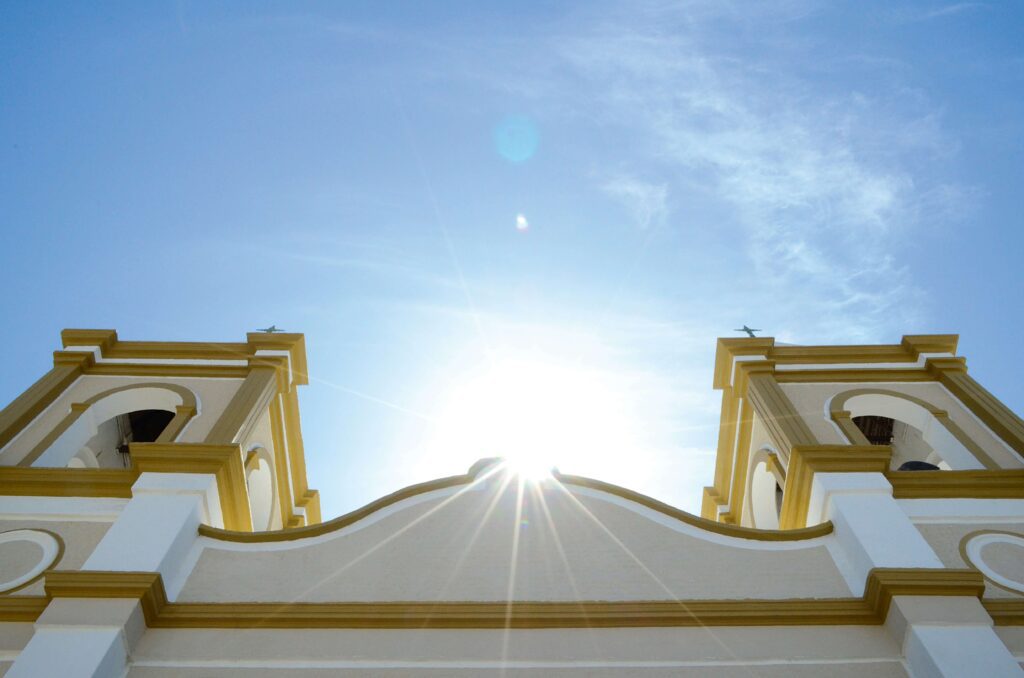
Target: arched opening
x,y
918,438
96,433
259,478
766,490
109,446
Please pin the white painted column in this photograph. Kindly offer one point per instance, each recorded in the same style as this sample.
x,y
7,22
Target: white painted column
x,y
158,527
81,638
949,637
870,527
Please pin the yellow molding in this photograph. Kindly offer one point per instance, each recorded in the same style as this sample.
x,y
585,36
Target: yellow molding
x,y
740,465
37,397
67,482
105,339
973,484
709,503
806,461
852,376
183,415
22,608
147,587
978,400
465,479
908,350
223,461
885,582
1005,612
726,448
281,455
784,424
168,370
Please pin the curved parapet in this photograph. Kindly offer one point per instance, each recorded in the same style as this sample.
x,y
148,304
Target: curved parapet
x,y
480,473
489,536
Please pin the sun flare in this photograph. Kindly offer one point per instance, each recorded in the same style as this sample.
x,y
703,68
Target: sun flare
x,y
537,416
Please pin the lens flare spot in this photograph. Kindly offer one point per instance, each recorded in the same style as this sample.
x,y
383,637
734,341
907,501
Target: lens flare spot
x,y
516,138
522,225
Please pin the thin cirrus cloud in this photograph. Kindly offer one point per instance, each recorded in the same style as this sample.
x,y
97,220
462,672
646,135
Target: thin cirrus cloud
x,y
825,184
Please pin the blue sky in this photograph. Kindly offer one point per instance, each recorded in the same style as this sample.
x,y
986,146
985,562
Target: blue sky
x,y
830,172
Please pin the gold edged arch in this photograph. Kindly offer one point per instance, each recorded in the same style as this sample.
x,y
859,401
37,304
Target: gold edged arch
x,y
184,412
843,419
290,534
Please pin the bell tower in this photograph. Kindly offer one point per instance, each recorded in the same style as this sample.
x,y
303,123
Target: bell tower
x,y
112,413
909,412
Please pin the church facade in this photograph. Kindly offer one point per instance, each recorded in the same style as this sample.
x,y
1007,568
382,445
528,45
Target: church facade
x,y
866,518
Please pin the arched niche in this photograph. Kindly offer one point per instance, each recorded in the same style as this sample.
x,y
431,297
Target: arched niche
x,y
941,442
70,439
765,489
262,485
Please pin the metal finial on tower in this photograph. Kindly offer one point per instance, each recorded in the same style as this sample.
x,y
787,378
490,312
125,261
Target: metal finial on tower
x,y
750,331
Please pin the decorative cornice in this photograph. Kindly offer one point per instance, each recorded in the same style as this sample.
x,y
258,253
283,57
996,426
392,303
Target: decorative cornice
x,y
973,484
1005,611
222,461
805,461
148,589
22,608
909,350
66,482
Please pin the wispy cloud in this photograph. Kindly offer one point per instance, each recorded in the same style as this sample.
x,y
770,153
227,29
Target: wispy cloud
x,y
826,183
907,15
646,202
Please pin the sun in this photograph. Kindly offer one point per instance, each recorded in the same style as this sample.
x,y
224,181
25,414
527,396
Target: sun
x,y
537,415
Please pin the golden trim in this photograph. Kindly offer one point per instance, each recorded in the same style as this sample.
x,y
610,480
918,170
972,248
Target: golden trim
x,y
842,417
281,455
165,370
967,561
40,395
1005,612
22,608
183,415
997,416
56,559
806,461
784,424
885,582
147,587
67,482
454,481
740,465
852,376
973,484
223,461
909,350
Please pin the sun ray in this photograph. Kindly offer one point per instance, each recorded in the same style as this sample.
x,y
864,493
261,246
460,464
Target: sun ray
x,y
657,580
482,477
510,592
565,563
